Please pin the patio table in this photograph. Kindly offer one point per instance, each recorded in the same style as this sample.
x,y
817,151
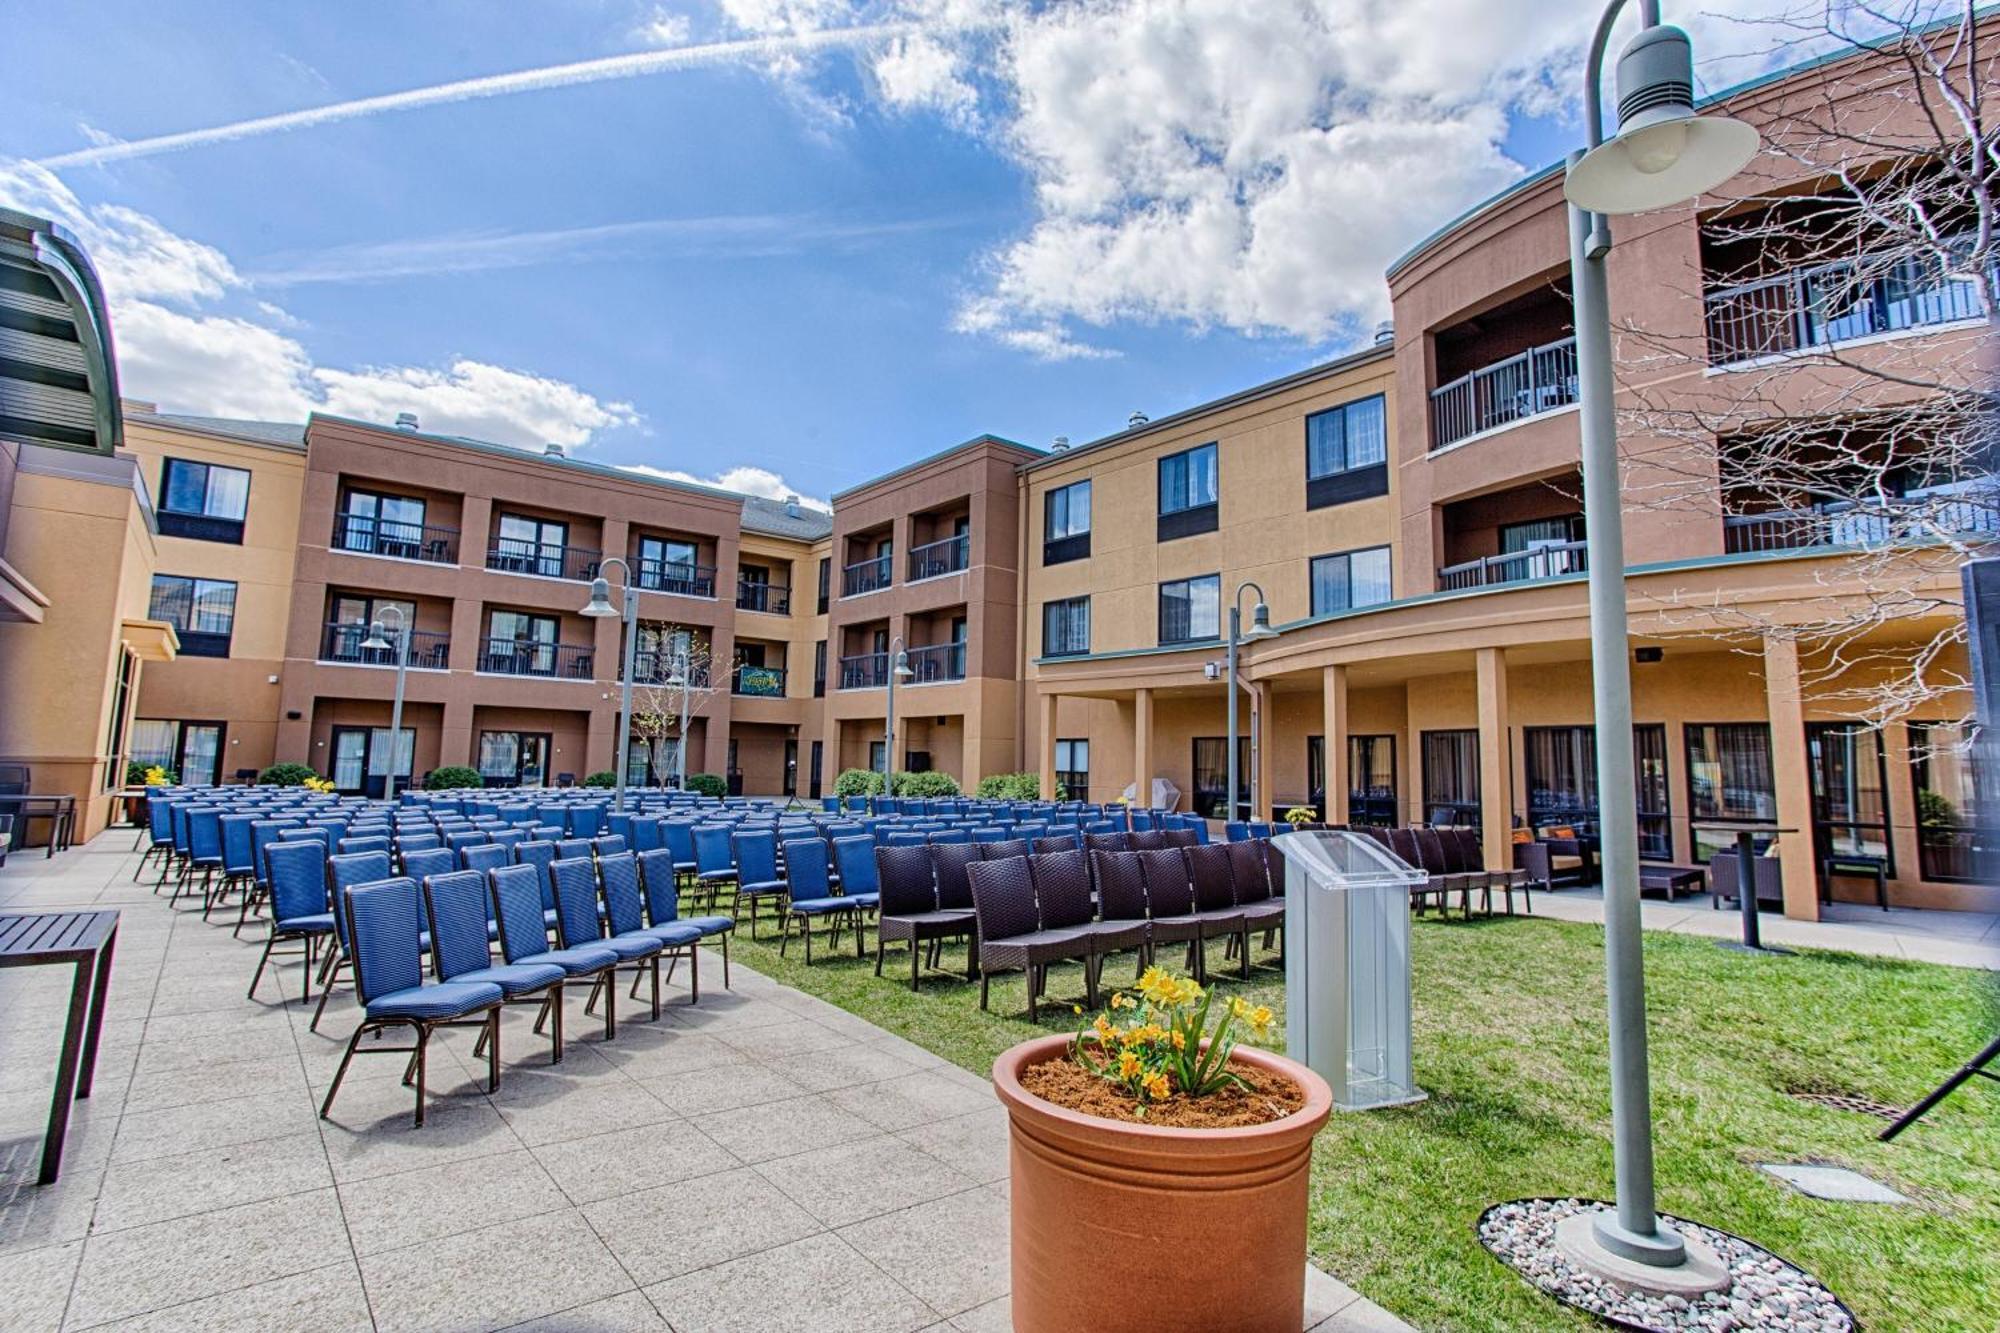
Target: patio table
x,y
86,940
58,808
1746,836
1670,880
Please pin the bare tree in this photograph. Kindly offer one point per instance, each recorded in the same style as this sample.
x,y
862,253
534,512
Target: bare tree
x,y
1803,415
672,684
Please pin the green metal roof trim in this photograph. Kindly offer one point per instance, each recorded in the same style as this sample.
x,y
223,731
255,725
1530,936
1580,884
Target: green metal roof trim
x,y
58,371
939,456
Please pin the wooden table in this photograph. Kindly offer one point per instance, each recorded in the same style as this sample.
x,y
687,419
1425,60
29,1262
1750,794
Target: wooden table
x,y
85,939
58,808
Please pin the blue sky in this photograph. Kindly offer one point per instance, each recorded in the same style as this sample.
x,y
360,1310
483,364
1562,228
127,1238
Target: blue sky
x,y
820,262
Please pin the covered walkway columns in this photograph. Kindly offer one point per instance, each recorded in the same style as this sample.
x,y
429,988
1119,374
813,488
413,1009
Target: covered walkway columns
x,y
1333,687
1048,747
1142,748
1784,703
1496,785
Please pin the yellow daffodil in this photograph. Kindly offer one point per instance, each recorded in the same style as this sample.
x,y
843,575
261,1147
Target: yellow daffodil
x,y
1179,1040
1128,1065
1158,1088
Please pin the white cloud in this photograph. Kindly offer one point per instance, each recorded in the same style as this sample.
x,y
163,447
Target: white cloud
x,y
176,348
923,73
744,480
663,27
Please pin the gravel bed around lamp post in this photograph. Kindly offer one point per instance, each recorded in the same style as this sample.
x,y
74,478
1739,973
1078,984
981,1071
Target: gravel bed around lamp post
x,y
1764,1291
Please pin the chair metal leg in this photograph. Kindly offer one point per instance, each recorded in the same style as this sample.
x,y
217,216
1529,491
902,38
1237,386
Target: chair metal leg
x,y
725,960
423,1047
493,1051
553,1009
258,975
341,1073
325,992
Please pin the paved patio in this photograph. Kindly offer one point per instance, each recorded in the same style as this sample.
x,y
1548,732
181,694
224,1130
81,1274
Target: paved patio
x,y
763,1161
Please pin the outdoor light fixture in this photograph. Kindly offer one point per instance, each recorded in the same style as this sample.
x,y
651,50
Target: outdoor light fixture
x,y
1260,630
597,608
599,605
378,638
899,669
378,641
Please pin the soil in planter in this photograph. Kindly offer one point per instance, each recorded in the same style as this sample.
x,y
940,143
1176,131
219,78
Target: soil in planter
x,y
1069,1085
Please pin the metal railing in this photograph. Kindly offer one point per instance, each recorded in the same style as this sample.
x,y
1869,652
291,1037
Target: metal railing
x,y
526,657
1821,304
368,535
761,682
936,662
1968,513
867,576
675,577
1526,384
771,598
656,667
550,560
1544,562
934,559
430,650
1957,853
864,671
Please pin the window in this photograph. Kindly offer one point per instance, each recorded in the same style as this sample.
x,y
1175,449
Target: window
x,y
825,582
1073,770
203,501
1188,493
1191,609
1451,777
1211,776
514,758
1546,548
1066,627
121,708
1561,767
1066,523
202,611
530,545
1350,579
1656,826
876,752
819,669
667,565
1371,780
191,751
1347,453
377,524
1729,780
361,759
1850,793
1950,799
520,644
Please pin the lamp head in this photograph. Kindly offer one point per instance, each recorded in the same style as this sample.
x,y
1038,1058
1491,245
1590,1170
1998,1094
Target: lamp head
x,y
1663,153
599,604
1260,625
903,671
378,637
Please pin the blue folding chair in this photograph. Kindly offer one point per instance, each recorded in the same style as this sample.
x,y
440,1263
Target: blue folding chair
x,y
756,872
457,903
299,912
204,835
586,821
239,855
524,939
160,829
579,922
343,872
484,857
659,880
573,849
810,896
382,922
714,860
624,914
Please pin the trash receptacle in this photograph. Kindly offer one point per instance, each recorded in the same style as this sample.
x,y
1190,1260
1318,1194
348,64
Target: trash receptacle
x,y
1347,966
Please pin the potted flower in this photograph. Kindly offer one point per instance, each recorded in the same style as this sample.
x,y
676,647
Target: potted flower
x,y
1152,1134
1301,815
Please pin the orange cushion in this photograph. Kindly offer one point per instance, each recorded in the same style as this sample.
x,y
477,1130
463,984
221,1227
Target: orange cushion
x,y
1522,836
1562,831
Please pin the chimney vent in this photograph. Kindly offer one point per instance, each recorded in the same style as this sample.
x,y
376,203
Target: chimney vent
x,y
552,450
1060,444
1385,332
1136,420
406,421
791,506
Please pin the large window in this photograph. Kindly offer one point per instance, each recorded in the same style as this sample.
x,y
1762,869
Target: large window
x,y
377,524
1211,776
528,545
1729,780
1188,493
361,759
121,711
1954,843
1850,793
825,582
202,612
670,565
1371,778
1347,453
1066,523
1191,609
1451,777
1350,579
1066,627
204,501
1561,765
1073,769
191,751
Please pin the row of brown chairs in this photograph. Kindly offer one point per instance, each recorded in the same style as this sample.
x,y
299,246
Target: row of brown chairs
x,y
1454,863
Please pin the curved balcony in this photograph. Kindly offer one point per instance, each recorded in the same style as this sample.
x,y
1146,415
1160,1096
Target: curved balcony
x,y
1527,384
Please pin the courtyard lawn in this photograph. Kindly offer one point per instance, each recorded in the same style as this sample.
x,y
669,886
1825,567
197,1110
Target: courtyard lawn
x,y
1510,1045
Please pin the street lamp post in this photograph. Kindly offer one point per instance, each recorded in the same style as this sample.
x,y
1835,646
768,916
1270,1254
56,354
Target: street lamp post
x,y
378,639
597,608
898,667
1260,630
680,680
1663,155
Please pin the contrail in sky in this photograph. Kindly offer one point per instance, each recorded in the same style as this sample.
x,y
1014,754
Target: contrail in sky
x,y
601,70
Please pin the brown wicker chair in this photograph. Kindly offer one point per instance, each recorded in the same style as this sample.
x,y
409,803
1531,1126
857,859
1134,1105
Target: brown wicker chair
x,y
1170,906
1063,888
1010,933
1472,857
1440,859
997,851
1121,897
909,911
1056,842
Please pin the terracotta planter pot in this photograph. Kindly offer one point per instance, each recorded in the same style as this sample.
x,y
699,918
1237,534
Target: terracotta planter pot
x,y
1095,1200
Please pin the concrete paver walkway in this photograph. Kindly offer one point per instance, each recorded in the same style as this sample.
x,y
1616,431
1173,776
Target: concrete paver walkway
x,y
762,1161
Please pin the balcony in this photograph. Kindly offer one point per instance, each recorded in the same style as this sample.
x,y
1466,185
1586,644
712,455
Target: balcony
x,y
675,578
771,598
1825,304
936,559
760,682
864,671
365,534
937,662
1553,560
527,657
549,560
867,576
1929,517
656,667
1524,385
430,650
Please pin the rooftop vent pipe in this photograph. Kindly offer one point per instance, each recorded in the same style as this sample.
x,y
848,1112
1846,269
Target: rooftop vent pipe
x,y
1059,445
791,506
1385,332
406,421
1136,420
552,450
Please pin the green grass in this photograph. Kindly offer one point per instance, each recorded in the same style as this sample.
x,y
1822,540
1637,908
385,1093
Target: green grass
x,y
1510,1044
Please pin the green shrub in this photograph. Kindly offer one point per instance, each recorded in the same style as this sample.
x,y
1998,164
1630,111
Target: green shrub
x,y
707,784
1012,787
603,777
286,775
857,782
453,776
1934,811
932,783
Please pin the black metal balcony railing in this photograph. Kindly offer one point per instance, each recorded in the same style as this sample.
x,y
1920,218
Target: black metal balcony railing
x,y
1544,562
761,682
1823,304
771,598
936,662
368,535
675,578
935,559
867,576
864,671
550,560
526,657
1526,384
430,650
658,667
1969,512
